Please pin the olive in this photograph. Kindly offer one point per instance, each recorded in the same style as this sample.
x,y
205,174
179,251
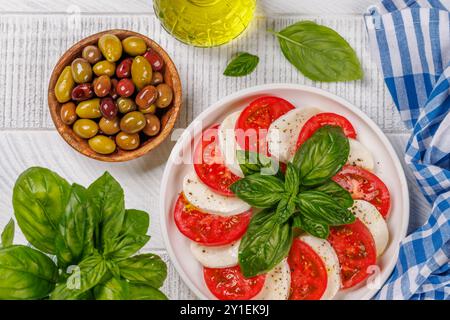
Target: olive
x,y
123,70
81,70
150,109
152,125
146,97
132,122
134,46
89,109
64,85
165,95
113,92
141,72
125,88
111,47
127,141
68,114
104,68
157,78
102,86
92,54
155,59
102,144
108,108
82,92
109,127
126,105
85,128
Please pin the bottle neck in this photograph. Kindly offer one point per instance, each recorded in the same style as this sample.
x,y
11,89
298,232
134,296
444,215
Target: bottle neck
x,y
204,3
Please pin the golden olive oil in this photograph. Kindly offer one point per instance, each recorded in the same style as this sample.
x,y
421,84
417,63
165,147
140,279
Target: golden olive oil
x,y
205,23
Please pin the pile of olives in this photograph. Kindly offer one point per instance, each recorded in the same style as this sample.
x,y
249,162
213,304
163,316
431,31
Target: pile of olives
x,y
114,94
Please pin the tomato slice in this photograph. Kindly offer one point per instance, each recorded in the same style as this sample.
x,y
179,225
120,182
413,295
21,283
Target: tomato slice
x,y
364,185
230,283
355,248
322,119
255,119
308,272
210,165
209,229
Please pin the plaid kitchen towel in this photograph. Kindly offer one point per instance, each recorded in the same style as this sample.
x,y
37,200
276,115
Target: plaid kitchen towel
x,y
411,42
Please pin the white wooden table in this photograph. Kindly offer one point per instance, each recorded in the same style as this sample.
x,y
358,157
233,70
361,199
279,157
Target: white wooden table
x,y
33,35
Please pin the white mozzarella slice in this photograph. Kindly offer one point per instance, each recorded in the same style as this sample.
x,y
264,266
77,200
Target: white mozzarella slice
x,y
330,259
283,133
373,220
277,284
227,143
216,257
359,155
202,197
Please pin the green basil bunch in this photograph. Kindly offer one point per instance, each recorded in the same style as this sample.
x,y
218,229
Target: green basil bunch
x,y
304,197
93,238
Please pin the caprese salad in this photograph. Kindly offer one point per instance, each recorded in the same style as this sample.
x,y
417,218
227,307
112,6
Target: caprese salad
x,y
283,203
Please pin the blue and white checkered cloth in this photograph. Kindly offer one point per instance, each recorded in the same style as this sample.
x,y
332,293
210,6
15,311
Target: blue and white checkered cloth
x,y
411,42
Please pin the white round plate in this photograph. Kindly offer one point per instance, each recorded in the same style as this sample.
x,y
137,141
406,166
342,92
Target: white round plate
x,y
387,167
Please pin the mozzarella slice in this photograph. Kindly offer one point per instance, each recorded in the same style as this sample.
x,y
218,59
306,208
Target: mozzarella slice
x,y
227,143
277,284
200,196
283,133
330,259
359,155
216,257
373,220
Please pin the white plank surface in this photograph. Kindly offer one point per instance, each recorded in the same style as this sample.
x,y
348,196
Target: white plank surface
x,y
33,34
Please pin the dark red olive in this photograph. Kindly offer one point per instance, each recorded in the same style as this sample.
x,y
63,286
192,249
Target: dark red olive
x,y
108,108
82,92
113,92
123,70
125,88
155,59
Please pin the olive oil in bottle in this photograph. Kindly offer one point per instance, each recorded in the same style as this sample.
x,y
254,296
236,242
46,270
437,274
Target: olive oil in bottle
x,y
205,23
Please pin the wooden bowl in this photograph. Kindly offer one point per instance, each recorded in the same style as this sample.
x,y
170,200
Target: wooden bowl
x,y
168,120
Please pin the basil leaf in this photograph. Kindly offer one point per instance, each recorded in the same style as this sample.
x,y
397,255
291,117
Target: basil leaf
x,y
322,155
62,293
339,194
253,162
39,199
286,208
314,228
258,190
113,289
138,291
319,52
144,268
322,208
25,273
8,234
292,179
76,228
108,197
265,244
243,64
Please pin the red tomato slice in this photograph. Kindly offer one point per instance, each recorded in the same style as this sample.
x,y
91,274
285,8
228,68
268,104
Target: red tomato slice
x,y
355,248
364,185
210,165
255,119
230,283
308,273
322,119
209,229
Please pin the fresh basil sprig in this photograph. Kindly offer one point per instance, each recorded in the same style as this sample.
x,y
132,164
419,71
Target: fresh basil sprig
x,y
243,64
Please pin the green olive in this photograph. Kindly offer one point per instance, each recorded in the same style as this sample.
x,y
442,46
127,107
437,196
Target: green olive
x,y
111,47
141,72
153,125
104,68
92,54
165,95
102,144
64,85
132,122
81,70
68,114
126,105
89,109
134,46
109,127
85,128
127,141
